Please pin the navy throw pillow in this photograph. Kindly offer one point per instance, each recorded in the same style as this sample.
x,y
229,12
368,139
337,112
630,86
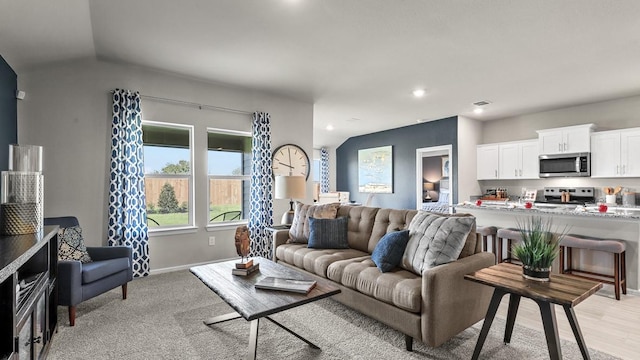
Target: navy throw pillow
x,y
328,233
389,250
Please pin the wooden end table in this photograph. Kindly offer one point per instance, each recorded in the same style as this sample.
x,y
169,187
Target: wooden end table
x,y
253,304
564,290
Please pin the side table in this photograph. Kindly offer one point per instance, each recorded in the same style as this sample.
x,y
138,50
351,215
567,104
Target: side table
x,y
564,290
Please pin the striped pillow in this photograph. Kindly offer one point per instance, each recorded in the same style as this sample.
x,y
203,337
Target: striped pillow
x,y
328,233
299,231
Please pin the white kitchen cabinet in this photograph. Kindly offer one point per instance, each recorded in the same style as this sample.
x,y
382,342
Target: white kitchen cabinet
x,y
518,160
570,139
487,162
605,154
630,152
615,153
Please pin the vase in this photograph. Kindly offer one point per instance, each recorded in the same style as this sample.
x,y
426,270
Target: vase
x,y
536,274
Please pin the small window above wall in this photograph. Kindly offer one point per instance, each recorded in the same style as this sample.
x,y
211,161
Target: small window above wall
x,y
229,170
168,159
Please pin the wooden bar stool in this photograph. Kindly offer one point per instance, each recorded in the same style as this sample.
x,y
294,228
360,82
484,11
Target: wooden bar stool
x,y
483,233
615,247
510,236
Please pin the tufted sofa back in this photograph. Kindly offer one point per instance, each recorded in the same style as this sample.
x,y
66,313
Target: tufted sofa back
x,y
367,225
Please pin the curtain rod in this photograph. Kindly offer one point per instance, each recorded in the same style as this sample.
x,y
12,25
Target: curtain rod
x,y
199,106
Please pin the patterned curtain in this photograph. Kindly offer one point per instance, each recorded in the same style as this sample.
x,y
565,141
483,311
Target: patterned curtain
x,y
127,205
261,211
324,170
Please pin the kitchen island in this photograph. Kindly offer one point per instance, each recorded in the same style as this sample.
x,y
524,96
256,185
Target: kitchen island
x,y
621,223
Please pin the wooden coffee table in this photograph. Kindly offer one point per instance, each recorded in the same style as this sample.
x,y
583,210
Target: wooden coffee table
x,y
564,290
253,304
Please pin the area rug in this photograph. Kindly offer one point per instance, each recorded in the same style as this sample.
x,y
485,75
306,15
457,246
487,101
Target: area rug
x,y
162,319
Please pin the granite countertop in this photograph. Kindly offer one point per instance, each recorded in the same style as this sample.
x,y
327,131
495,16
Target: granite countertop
x,y
16,250
613,212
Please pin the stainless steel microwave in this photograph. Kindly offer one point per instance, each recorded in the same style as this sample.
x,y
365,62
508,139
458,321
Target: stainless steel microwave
x,y
565,165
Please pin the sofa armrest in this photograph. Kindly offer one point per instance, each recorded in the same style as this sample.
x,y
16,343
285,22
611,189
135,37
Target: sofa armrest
x,y
450,303
69,279
279,237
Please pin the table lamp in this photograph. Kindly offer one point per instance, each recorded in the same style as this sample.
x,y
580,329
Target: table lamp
x,y
428,186
290,187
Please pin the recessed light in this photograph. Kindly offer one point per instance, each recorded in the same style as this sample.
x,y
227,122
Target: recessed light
x,y
329,127
419,92
478,110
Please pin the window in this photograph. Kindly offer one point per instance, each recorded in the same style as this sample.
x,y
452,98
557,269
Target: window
x,y
168,175
229,168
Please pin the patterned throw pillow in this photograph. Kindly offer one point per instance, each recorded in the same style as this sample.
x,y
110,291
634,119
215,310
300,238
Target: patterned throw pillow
x,y
299,232
71,245
389,250
328,233
435,240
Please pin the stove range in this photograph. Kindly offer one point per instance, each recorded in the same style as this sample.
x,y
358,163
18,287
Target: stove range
x,y
577,196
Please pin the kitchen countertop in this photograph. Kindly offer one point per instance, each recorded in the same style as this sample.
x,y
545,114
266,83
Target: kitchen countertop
x,y
613,212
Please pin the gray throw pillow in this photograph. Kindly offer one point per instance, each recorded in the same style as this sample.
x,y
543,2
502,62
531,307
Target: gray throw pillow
x,y
71,245
299,231
328,233
435,240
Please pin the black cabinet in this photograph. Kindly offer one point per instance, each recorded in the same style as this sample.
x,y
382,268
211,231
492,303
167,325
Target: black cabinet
x,y
28,294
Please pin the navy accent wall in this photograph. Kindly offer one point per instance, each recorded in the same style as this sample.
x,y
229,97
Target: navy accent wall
x,y
405,141
8,112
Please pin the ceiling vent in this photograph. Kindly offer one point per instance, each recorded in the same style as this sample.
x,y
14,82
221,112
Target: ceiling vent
x,y
482,103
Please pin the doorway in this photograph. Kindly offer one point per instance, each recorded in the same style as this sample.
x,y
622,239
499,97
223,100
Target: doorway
x,y
434,171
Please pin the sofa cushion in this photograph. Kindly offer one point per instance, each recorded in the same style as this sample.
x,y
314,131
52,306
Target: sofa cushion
x,y
100,269
388,253
388,220
359,226
71,245
398,287
435,240
315,261
299,231
328,233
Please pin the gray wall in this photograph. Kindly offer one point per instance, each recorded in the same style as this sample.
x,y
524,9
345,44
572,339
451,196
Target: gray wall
x,y
68,111
405,141
8,112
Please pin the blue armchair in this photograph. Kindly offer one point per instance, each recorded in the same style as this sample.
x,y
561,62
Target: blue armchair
x,y
77,282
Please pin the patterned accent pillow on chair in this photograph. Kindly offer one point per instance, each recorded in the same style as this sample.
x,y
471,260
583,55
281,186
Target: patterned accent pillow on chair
x,y
299,232
71,245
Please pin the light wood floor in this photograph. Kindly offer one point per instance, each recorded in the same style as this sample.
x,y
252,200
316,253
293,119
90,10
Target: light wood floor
x,y
607,325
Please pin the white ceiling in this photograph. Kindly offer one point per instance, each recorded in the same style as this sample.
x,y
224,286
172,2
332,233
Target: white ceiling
x,y
356,60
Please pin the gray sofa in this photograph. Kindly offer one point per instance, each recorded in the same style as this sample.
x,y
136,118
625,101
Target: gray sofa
x,y
431,307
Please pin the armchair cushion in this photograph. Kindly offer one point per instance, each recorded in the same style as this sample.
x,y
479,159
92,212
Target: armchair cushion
x,y
101,269
71,245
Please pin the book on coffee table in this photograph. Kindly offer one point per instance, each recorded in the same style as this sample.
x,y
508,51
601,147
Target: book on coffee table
x,y
246,272
293,285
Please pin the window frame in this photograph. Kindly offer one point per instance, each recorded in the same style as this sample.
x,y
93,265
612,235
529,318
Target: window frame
x,y
191,207
247,177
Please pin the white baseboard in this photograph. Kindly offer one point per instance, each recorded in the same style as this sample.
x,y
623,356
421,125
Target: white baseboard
x,y
183,267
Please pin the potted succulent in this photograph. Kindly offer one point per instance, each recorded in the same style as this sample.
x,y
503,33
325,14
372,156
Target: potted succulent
x,y
539,247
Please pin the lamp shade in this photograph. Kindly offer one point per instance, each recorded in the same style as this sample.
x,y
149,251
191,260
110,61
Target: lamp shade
x,y
290,187
428,186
